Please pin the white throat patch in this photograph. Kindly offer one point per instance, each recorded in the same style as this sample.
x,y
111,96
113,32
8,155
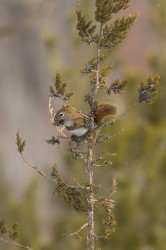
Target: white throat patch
x,y
68,123
79,131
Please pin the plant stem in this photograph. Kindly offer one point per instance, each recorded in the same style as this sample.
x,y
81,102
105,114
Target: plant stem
x,y
89,170
90,237
79,230
94,91
14,243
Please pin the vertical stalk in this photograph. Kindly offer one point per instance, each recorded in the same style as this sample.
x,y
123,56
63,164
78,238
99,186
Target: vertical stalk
x,y
89,170
90,237
94,91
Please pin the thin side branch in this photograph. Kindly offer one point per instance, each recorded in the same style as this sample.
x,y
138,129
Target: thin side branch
x,y
109,137
80,186
46,176
128,110
78,231
117,118
37,170
78,4
99,236
14,243
95,89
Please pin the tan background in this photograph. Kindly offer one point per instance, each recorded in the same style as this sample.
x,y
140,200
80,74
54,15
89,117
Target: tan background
x,y
37,38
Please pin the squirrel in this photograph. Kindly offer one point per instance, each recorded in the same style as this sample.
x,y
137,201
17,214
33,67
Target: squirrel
x,y
76,122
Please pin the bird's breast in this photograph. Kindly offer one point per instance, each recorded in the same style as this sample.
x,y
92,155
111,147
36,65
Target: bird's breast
x,y
68,123
79,131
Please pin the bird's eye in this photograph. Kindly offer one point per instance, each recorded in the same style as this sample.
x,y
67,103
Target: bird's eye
x,y
61,114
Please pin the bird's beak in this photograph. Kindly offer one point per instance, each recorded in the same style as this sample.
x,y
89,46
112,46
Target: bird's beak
x,y
58,122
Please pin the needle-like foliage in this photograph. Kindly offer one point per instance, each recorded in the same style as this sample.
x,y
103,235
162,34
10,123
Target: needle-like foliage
x,y
117,87
69,194
60,89
105,9
114,34
148,90
20,144
85,28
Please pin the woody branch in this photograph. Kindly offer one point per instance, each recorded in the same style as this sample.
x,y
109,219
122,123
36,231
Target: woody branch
x,y
14,243
91,142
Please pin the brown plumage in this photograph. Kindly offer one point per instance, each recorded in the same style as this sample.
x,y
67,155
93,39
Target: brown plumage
x,y
76,122
104,109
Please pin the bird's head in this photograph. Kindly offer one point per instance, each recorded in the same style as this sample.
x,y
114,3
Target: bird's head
x,y
65,116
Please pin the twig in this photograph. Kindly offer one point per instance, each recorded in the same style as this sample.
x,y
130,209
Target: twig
x,y
78,231
75,150
117,118
46,176
100,157
80,153
99,236
80,186
64,137
123,114
14,243
37,170
78,4
96,87
72,150
109,137
51,110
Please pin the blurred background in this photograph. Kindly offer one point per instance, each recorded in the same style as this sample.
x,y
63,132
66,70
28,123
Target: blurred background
x,y
37,38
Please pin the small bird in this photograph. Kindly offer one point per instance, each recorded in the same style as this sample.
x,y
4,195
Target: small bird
x,y
78,123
